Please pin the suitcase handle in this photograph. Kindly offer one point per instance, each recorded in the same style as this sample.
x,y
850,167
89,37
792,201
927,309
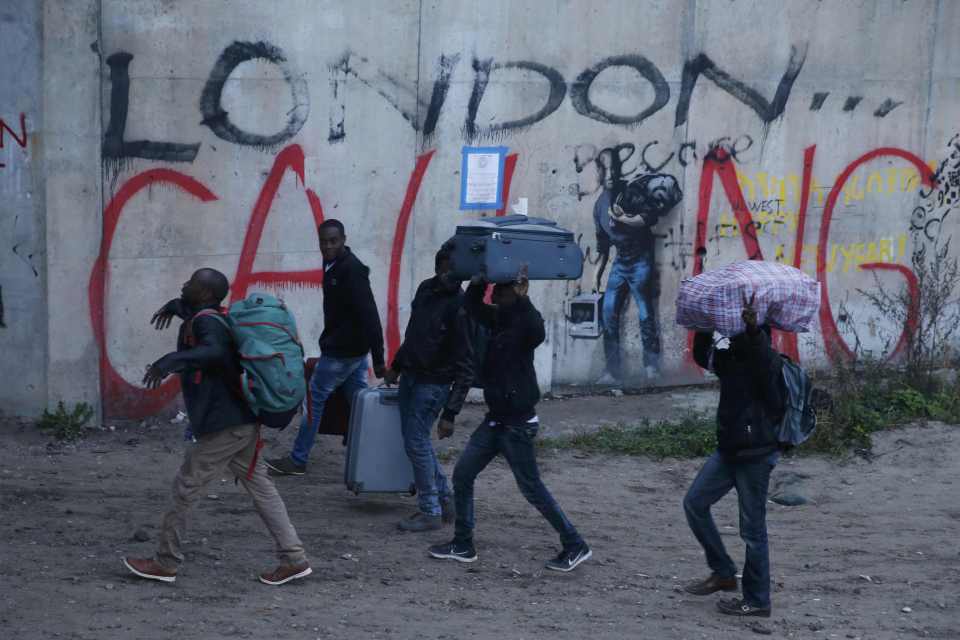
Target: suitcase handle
x,y
391,398
478,247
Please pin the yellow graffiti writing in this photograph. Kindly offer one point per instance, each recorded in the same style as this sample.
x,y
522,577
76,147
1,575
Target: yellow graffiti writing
x,y
761,185
848,257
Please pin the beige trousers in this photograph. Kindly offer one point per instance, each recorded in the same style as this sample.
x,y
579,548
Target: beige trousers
x,y
232,449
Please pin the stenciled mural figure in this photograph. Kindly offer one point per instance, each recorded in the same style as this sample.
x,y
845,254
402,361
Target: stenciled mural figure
x,y
625,214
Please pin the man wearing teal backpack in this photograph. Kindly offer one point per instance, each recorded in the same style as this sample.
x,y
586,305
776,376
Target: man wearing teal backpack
x,y
351,331
225,428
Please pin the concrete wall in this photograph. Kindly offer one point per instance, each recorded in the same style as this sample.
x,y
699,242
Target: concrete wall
x,y
23,315
226,134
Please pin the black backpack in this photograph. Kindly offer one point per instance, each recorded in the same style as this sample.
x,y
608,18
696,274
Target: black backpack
x,y
799,417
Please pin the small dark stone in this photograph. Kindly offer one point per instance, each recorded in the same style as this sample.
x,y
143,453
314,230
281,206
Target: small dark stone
x,y
762,630
140,535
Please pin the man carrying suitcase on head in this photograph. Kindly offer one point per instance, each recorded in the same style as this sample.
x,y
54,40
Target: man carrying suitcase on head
x,y
225,429
435,368
351,330
511,392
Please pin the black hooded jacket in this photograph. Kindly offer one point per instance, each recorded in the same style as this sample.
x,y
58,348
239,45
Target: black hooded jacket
x,y
437,347
351,322
507,373
752,393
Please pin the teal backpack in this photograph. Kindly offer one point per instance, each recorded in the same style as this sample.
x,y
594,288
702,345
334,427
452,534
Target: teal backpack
x,y
271,356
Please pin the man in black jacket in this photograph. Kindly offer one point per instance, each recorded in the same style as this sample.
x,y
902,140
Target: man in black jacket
x,y
435,368
351,330
511,392
227,436
752,401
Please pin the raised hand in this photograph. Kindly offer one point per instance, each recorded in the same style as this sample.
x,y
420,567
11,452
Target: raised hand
x,y
164,315
749,314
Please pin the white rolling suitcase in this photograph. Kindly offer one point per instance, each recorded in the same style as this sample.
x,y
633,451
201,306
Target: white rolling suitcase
x,y
376,459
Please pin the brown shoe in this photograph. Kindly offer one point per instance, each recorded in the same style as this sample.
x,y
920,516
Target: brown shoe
x,y
711,585
150,569
285,574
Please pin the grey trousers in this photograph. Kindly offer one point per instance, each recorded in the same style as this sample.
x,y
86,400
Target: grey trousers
x,y
231,449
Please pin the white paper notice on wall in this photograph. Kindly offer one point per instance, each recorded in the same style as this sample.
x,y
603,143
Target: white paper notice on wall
x,y
520,207
481,185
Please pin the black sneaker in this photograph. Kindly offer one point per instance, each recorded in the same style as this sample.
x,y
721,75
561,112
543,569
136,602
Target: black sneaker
x,y
570,558
459,551
740,607
448,511
284,467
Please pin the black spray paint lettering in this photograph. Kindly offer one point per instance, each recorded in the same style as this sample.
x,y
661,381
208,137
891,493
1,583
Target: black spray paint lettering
x,y
400,95
609,164
580,90
219,120
886,107
439,95
482,70
767,110
852,103
734,148
338,107
818,99
481,75
114,146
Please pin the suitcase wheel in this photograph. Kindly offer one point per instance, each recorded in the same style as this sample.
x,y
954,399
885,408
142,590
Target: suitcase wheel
x,y
412,489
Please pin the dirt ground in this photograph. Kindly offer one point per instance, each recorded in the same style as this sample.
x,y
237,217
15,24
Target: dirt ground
x,y
873,555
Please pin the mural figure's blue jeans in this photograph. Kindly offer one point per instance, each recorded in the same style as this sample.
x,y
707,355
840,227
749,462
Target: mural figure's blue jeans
x,y
420,405
516,445
329,375
751,480
633,277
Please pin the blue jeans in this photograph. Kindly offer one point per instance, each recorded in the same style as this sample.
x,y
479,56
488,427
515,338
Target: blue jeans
x,y
420,405
633,277
516,445
751,480
330,374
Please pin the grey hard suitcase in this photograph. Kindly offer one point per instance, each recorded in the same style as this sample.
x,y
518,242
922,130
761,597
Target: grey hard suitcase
x,y
376,459
501,245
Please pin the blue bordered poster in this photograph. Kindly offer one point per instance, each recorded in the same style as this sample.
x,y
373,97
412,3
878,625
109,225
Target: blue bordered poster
x,y
481,177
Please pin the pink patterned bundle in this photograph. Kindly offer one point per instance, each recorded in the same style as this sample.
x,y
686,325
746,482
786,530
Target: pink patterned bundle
x,y
783,296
